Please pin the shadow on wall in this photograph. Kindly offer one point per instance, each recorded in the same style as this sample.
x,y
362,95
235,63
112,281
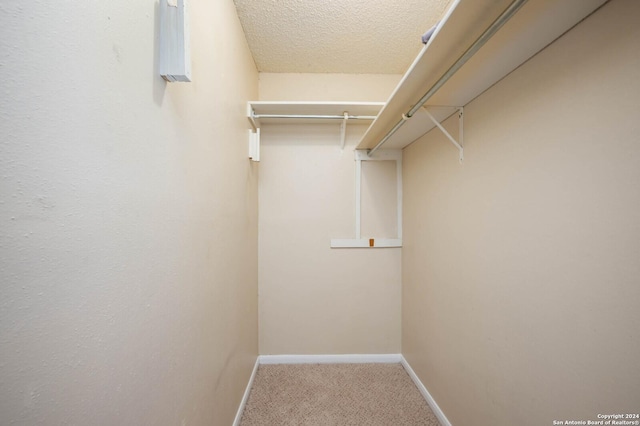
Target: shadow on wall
x,y
159,83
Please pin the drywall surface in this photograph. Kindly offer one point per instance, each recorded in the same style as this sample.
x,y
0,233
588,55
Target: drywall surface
x,y
314,299
128,214
327,87
520,266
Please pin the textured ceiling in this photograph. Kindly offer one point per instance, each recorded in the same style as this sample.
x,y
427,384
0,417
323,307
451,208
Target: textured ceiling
x,y
337,36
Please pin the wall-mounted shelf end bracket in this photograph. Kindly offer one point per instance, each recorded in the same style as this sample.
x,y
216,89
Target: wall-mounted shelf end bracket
x,y
343,129
254,145
254,135
457,143
251,115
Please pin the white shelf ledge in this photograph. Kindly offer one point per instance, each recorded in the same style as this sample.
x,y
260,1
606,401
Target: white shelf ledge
x,y
537,24
366,243
266,112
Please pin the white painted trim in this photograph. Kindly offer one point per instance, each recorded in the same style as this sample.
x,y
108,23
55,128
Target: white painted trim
x,y
342,359
425,393
358,199
399,196
331,359
245,397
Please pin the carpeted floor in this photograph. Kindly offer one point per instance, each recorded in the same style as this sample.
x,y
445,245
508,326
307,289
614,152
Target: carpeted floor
x,y
335,394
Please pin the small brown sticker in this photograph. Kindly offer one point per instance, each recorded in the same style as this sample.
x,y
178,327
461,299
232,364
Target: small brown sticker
x,y
370,242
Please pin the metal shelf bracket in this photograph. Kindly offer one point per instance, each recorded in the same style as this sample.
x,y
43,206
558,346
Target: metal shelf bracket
x,y
343,129
457,143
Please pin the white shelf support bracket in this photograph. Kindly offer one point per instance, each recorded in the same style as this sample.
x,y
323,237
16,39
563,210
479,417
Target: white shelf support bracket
x,y
461,128
358,198
254,145
251,115
447,134
343,129
254,135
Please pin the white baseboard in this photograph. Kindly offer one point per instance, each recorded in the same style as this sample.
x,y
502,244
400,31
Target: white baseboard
x,y
245,397
330,359
425,393
342,359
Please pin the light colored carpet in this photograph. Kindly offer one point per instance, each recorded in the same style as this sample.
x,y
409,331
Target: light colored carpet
x,y
335,394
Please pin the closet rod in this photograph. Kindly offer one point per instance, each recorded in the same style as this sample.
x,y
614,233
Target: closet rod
x,y
480,41
320,117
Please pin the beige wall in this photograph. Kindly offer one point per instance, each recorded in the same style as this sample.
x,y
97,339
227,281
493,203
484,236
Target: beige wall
x,y
129,218
520,267
314,299
327,87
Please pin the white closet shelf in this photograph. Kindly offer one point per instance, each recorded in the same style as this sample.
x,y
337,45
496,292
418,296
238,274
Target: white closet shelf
x,y
282,112
534,26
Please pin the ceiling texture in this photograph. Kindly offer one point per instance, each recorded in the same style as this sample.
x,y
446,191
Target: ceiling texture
x,y
336,36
